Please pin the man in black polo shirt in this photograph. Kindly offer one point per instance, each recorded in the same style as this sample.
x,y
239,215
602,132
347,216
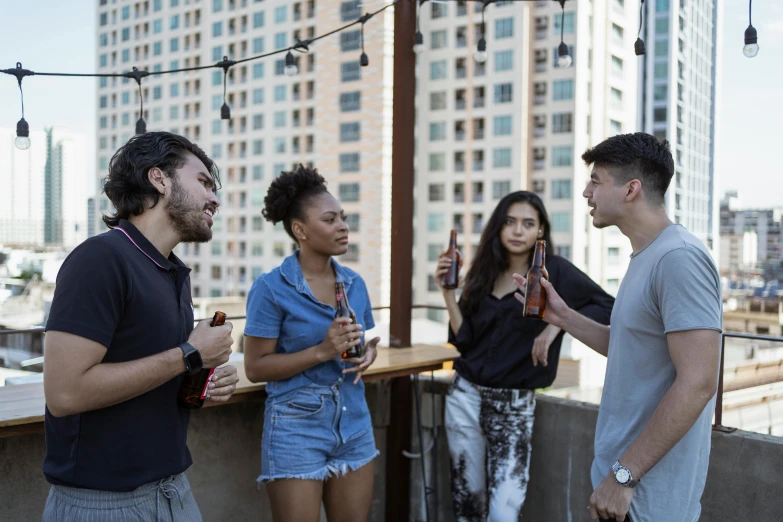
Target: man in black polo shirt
x,y
120,339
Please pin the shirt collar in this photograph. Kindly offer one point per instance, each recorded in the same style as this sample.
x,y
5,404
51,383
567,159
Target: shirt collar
x,y
292,273
148,249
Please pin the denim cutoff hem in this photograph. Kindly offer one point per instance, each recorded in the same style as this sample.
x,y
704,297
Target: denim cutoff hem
x,y
303,437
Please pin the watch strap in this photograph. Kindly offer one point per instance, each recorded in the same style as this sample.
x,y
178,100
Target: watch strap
x,y
192,358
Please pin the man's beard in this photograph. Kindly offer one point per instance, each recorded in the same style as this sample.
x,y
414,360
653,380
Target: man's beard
x,y
187,216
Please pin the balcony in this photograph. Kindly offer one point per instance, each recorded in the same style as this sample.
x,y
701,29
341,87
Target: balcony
x,y
539,99
540,66
542,33
539,132
539,164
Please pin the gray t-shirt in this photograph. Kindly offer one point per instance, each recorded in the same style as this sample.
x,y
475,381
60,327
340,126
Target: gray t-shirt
x,y
671,285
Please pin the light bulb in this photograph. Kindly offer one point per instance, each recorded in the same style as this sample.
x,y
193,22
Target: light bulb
x,y
481,54
22,142
418,46
290,65
564,62
751,48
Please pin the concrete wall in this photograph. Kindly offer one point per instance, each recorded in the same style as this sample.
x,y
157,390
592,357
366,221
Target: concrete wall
x,y
743,483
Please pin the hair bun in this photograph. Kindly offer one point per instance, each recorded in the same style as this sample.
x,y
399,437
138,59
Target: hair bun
x,y
287,188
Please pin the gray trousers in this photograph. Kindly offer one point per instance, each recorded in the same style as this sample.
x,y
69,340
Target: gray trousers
x,y
167,500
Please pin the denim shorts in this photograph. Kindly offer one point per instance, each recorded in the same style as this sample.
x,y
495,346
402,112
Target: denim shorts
x,y
302,439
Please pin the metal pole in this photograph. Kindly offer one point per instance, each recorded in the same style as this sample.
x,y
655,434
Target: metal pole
x,y
398,472
718,426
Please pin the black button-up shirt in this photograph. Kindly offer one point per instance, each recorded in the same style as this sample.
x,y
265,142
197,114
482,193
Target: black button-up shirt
x,y
496,342
118,290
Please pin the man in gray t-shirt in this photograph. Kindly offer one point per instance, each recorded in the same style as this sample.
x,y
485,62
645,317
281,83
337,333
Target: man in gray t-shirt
x,y
652,440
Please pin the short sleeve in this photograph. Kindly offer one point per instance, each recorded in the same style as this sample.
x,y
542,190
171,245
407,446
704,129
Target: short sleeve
x,y
463,339
92,287
264,316
686,288
369,322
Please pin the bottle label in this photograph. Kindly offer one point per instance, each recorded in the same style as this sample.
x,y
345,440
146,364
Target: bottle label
x,y
206,384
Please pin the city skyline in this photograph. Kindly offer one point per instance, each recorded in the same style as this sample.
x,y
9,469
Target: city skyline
x,y
747,133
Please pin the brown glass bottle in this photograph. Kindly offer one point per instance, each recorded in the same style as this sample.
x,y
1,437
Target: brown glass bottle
x,y
535,295
451,278
193,391
344,310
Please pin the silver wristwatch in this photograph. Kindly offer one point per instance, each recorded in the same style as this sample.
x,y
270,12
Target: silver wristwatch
x,y
623,475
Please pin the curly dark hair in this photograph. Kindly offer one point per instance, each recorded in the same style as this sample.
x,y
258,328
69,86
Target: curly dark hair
x,y
636,156
128,185
288,194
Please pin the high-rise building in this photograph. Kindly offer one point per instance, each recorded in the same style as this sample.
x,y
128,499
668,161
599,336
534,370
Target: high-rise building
x,y
46,201
743,230
334,115
519,122
677,101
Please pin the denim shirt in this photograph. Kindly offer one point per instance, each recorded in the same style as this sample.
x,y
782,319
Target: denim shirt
x,y
280,305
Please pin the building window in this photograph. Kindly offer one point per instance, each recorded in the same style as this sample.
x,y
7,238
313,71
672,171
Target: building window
x,y
659,115
258,96
349,162
258,121
258,71
257,197
258,223
436,222
439,11
568,23
563,251
562,90
281,14
501,157
216,126
350,11
503,93
437,101
278,249
661,70
258,172
561,222
258,147
352,220
438,39
433,252
217,150
438,70
350,132
157,26
502,125
504,61
562,156
349,192
561,189
660,92
561,123
500,189
617,66
350,40
174,22
662,26
258,19
350,101
504,28
280,93
437,192
613,255
350,71
352,255
280,117
280,40
437,161
280,145
258,45
438,131
217,29
615,127
217,55
217,6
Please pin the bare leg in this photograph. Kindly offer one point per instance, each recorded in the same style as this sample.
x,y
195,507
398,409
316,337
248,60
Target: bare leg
x,y
348,498
295,500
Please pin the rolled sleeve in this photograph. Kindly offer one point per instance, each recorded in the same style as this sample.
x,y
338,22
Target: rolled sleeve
x,y
264,316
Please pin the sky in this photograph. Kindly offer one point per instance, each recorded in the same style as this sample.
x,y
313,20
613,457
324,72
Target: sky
x,y
57,36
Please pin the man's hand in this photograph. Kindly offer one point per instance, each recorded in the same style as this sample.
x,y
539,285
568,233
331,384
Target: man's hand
x,y
222,384
212,342
542,343
610,500
556,309
363,362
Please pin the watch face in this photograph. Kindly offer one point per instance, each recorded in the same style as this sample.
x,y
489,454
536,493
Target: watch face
x,y
622,475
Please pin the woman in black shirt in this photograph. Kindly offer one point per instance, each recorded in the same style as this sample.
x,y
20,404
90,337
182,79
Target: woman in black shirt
x,y
504,357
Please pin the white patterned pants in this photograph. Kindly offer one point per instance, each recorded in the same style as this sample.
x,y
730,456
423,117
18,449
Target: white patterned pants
x,y
489,432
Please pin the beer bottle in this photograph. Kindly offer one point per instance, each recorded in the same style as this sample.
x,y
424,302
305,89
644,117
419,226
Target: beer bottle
x,y
535,295
451,278
344,310
194,389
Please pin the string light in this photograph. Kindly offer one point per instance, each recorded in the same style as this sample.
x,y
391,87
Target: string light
x,y
481,54
751,48
564,59
638,46
418,43
22,140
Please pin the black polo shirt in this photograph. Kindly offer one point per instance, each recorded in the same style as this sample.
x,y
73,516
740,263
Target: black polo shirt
x,y
118,290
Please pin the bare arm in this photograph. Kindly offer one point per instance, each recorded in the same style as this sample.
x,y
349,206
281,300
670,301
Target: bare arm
x,y
696,358
558,313
262,364
455,315
75,380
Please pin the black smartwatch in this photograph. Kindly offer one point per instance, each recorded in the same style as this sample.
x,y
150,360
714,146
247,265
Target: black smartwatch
x,y
193,362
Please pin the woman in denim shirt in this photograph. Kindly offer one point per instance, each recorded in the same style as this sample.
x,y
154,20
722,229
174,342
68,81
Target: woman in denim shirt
x,y
318,442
